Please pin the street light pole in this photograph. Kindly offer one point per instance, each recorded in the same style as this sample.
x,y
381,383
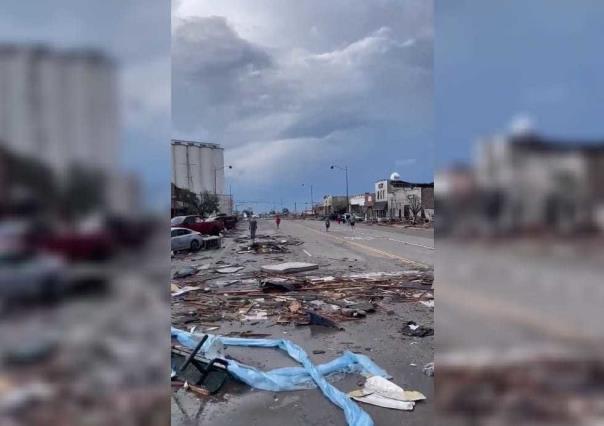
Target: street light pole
x,y
312,207
216,173
345,168
347,196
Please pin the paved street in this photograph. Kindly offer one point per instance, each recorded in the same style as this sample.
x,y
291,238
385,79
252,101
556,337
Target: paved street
x,y
519,309
376,245
517,296
340,252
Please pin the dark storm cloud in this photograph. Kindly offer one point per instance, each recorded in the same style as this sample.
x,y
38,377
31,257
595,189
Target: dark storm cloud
x,y
283,84
208,46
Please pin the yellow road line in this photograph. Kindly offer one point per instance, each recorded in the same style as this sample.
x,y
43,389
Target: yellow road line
x,y
380,252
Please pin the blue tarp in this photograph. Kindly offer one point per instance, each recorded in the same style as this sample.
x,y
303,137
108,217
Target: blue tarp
x,y
293,378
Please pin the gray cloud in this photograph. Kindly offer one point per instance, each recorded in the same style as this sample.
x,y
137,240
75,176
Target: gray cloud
x,y
206,46
299,80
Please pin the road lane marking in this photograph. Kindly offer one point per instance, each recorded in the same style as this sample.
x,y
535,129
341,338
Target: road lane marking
x,y
411,244
307,253
381,252
495,308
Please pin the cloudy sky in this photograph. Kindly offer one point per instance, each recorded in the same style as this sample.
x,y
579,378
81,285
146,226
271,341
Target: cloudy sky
x,y
289,88
501,64
136,33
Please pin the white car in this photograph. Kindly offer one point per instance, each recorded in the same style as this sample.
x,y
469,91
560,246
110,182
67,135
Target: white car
x,y
185,239
25,275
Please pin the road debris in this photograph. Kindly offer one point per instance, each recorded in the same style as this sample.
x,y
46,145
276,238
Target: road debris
x,y
415,330
306,376
15,396
177,291
279,285
429,369
342,298
290,267
187,271
383,393
315,318
230,270
427,303
290,298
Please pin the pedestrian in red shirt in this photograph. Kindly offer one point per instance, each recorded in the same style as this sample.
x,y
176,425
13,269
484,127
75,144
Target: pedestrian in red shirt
x,y
278,220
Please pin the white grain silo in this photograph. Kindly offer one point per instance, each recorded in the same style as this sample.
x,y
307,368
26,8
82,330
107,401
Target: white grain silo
x,y
198,166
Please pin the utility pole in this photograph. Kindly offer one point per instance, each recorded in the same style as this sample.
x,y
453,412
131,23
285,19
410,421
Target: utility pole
x,y
216,173
312,207
231,198
345,168
347,196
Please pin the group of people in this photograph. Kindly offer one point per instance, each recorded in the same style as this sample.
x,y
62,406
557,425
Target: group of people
x,y
339,220
253,224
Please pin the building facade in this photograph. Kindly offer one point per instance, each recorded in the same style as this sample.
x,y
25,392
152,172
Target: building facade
x,y
529,182
396,199
335,204
362,205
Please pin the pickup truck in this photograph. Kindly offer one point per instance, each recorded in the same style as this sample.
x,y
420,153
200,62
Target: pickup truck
x,y
229,222
198,224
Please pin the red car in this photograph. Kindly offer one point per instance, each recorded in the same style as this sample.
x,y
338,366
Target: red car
x,y
199,224
80,246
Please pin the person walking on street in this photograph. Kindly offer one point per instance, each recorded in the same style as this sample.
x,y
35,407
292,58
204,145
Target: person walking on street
x,y
327,225
253,226
351,222
277,221
338,219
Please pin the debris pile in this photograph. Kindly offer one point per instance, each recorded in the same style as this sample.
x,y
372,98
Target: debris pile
x,y
299,300
378,390
542,390
266,244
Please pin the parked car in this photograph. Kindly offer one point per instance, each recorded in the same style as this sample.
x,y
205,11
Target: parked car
x,y
358,218
185,239
29,275
198,224
131,233
76,245
229,222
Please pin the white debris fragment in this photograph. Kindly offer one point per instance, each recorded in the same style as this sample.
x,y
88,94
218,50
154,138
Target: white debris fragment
x,y
290,267
428,303
383,393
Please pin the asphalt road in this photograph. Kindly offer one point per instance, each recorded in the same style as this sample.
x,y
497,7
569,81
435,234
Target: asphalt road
x,y
341,251
406,247
517,297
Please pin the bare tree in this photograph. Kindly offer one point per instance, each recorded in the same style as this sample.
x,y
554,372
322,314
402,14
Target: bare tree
x,y
208,203
415,205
